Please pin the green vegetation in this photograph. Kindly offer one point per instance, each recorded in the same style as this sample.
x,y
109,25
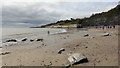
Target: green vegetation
x,y
111,17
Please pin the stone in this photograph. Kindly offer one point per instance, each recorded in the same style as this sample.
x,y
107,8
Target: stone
x,y
11,40
31,40
4,53
24,39
105,34
77,58
60,51
39,40
85,35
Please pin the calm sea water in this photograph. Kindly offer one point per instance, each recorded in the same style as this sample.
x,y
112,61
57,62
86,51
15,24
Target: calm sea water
x,y
18,33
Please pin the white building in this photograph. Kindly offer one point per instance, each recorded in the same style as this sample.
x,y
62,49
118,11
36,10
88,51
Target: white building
x,y
64,26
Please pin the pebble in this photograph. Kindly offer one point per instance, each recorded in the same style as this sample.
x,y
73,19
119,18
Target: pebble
x,y
86,47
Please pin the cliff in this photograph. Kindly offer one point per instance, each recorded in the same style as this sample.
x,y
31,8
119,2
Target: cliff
x,y
111,17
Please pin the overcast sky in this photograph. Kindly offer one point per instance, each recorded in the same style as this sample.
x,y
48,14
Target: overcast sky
x,y
22,13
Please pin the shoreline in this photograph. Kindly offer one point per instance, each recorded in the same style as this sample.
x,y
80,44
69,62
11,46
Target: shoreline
x,y
31,33
98,49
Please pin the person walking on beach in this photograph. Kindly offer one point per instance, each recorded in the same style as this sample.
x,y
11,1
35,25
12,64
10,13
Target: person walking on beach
x,y
114,26
108,27
103,27
48,32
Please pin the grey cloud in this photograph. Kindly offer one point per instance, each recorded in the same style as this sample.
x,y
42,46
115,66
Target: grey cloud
x,y
40,13
31,14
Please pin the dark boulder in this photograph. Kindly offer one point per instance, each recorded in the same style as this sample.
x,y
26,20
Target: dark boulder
x,y
24,39
11,40
60,51
39,40
85,35
31,40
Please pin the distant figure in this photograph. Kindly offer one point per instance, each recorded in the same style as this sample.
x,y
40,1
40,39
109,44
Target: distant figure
x,y
48,32
110,27
103,27
114,26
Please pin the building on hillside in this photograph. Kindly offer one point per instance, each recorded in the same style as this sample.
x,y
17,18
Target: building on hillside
x,y
64,26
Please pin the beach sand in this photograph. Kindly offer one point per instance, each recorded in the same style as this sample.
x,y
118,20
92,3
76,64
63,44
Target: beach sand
x,y
100,51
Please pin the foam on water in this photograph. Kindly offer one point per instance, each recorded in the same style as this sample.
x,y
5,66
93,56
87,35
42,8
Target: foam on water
x,y
18,33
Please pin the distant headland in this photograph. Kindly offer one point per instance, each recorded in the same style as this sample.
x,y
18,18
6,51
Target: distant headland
x,y
108,18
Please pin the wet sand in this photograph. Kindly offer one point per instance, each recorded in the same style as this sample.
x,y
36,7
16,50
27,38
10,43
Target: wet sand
x,y
100,51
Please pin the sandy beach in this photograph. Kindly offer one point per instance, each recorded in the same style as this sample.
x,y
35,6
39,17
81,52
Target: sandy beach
x,y
100,51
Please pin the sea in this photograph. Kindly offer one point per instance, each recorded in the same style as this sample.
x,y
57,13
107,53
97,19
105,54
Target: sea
x,y
19,33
